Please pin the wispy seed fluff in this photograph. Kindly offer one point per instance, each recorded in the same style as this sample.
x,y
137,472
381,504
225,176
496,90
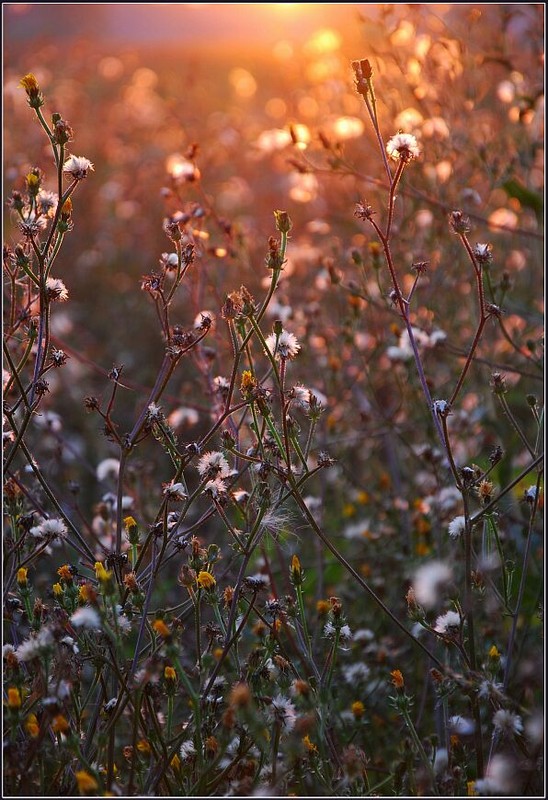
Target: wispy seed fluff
x,y
429,582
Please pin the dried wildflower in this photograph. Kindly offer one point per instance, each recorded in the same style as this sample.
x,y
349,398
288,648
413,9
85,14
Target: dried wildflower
x,y
204,320
283,346
498,383
58,358
403,147
507,723
86,618
485,491
283,712
35,646
483,253
187,751
56,290
283,221
213,465
448,624
457,526
217,488
31,87
363,211
62,132
459,222
240,696
77,167
363,74
52,531
175,491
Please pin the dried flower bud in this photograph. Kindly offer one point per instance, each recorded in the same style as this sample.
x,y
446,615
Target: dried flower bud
x,y
459,222
283,221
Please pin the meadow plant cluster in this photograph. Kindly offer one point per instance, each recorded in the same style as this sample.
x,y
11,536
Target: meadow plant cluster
x,y
291,544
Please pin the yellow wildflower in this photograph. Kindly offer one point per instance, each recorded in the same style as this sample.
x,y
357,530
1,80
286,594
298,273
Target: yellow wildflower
x,y
310,746
57,589
358,709
60,724
65,573
14,698
161,628
32,726
86,782
397,678
205,580
22,573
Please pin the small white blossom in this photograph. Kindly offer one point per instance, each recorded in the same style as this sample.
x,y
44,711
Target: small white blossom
x,y
403,147
284,712
507,723
7,649
457,527
78,167
284,346
448,623
86,617
213,465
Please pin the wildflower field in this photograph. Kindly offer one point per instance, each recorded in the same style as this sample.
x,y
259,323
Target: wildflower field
x,y
273,409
